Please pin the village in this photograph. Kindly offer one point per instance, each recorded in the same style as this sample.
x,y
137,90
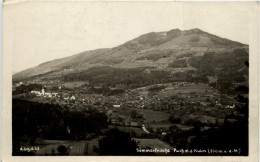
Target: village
x,y
150,114
170,97
189,101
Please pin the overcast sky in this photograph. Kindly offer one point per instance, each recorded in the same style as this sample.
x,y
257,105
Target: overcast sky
x,y
43,31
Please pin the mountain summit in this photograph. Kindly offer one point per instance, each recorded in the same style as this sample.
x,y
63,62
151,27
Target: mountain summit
x,y
170,50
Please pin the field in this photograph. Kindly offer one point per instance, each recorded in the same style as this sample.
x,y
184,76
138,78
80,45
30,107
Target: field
x,y
90,146
166,126
79,148
149,115
195,88
160,125
137,131
152,143
179,88
74,84
74,148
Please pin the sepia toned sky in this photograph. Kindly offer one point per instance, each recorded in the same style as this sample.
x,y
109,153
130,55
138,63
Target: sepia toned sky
x,y
38,32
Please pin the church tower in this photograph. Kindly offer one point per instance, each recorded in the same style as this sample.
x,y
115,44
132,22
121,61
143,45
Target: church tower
x,y
43,90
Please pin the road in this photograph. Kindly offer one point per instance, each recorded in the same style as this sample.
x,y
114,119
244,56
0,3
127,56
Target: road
x,y
144,129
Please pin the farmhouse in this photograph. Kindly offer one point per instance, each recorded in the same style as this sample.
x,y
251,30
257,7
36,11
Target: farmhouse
x,y
230,106
117,120
116,106
72,97
47,95
37,93
147,71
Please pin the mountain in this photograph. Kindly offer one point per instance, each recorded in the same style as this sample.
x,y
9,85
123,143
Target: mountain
x,y
174,50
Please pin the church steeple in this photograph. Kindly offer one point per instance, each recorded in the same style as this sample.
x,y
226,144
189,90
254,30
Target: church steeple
x,y
43,90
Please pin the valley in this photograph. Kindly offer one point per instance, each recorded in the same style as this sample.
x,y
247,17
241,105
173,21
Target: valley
x,y
179,89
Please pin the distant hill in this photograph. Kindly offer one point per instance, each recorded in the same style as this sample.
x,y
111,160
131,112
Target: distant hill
x,y
174,51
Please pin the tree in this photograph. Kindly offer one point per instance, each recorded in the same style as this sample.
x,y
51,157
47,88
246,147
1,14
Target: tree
x,y
116,142
174,119
62,149
134,114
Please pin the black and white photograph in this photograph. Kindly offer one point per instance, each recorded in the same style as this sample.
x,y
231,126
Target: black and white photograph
x,y
130,78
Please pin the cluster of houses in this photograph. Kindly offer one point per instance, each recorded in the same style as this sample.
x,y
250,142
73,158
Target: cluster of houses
x,y
121,122
44,94
71,98
116,119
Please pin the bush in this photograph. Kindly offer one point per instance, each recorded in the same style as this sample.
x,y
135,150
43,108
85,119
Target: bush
x,y
62,149
174,119
156,88
116,142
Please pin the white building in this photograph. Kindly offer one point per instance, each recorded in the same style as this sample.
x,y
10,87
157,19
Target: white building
x,y
44,94
72,98
116,106
43,91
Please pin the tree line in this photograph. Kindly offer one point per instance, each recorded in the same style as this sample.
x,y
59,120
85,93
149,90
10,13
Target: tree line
x,y
33,120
